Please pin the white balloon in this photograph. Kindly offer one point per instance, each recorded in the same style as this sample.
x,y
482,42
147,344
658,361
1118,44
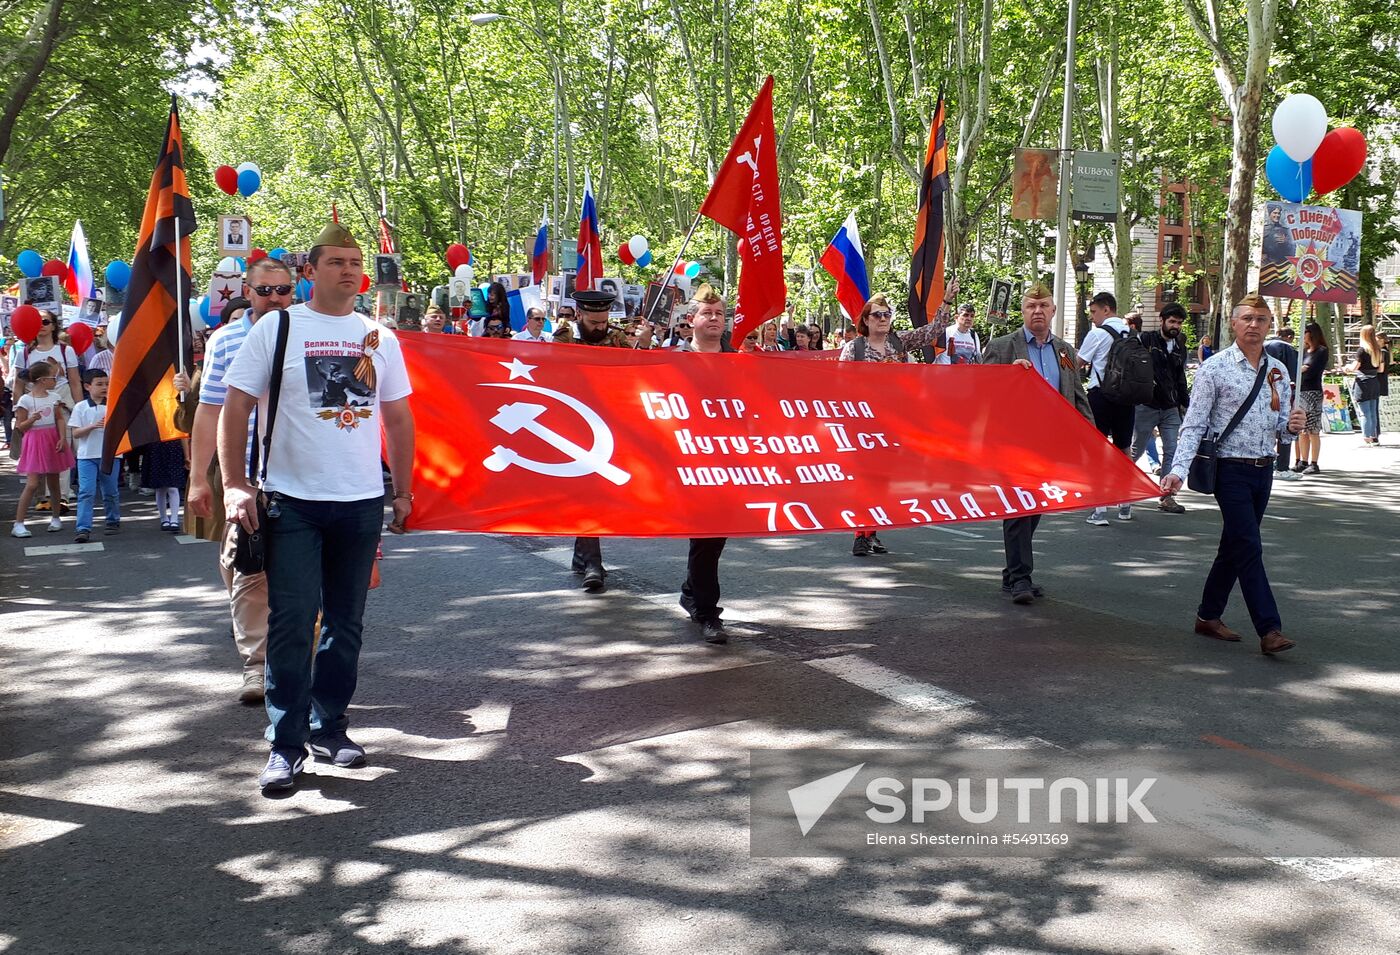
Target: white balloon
x,y
638,246
465,272
227,264
249,165
1300,123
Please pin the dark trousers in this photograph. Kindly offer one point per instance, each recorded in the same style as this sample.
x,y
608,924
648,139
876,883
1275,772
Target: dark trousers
x,y
1114,421
702,576
319,558
1242,491
1016,534
588,551
1284,457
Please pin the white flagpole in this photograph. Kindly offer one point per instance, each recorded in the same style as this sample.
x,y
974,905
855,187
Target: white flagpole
x,y
181,304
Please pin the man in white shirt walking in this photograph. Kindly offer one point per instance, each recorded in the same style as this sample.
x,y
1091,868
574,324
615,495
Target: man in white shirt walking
x,y
1114,420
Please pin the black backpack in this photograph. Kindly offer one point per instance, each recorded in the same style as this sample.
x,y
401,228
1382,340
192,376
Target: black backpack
x,y
1128,377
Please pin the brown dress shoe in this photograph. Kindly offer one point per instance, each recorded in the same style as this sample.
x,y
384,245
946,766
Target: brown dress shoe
x,y
1216,629
1275,642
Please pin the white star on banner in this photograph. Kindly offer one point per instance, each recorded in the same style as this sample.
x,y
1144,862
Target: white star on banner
x,y
518,369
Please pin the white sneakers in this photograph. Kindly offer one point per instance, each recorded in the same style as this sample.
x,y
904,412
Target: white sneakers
x,y
19,530
1099,518
55,525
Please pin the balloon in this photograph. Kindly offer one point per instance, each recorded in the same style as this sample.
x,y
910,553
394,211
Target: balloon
x,y
457,255
118,274
79,336
227,264
204,311
624,252
277,253
249,181
365,284
644,259
245,166
304,289
1337,161
680,268
638,244
226,178
692,270
1293,180
465,272
242,264
256,255
25,322
1300,123
56,268
31,263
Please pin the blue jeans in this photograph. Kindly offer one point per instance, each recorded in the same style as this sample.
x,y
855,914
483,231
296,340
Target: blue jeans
x,y
1168,424
319,558
1370,410
90,481
1242,491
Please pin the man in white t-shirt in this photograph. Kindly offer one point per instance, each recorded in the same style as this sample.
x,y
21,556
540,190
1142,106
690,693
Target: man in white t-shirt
x,y
963,345
343,381
1114,421
534,328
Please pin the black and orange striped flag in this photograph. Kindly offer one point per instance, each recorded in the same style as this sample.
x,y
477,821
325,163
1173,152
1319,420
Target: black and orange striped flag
x,y
155,320
926,269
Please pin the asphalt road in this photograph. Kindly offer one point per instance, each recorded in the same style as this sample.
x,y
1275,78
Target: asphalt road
x,y
557,772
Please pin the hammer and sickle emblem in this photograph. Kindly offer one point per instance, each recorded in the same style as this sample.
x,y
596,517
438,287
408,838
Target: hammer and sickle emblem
x,y
750,159
525,416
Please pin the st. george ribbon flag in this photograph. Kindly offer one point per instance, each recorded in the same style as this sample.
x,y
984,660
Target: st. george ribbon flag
x,y
567,440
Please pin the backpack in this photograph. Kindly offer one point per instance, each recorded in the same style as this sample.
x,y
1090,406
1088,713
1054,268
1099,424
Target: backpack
x,y
1128,378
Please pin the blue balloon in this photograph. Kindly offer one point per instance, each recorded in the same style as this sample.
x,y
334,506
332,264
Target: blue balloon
x,y
644,259
204,311
242,263
304,288
1293,180
118,274
277,253
248,182
31,263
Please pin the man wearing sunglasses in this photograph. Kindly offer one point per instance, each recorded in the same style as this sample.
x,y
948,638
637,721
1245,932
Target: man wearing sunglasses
x,y
268,287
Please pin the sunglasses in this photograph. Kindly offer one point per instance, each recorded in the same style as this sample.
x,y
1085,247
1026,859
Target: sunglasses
x,y
45,321
495,328
881,314
683,327
271,289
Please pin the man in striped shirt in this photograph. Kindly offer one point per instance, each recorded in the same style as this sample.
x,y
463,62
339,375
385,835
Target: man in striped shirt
x,y
102,354
268,286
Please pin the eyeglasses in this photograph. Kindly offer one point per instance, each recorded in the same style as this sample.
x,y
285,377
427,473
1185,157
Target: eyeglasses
x,y
495,328
45,321
683,326
881,314
271,289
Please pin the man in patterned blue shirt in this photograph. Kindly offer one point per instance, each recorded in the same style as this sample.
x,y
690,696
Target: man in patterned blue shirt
x,y
1245,472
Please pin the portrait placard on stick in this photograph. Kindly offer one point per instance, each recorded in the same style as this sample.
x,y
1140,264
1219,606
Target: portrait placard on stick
x,y
1310,252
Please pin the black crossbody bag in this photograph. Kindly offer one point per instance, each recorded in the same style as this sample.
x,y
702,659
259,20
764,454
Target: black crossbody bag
x,y
1201,476
247,550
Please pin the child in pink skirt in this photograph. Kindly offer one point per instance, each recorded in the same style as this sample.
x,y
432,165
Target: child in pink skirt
x,y
43,421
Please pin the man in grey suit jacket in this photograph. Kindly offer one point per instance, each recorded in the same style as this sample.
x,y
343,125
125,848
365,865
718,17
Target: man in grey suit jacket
x,y
1034,348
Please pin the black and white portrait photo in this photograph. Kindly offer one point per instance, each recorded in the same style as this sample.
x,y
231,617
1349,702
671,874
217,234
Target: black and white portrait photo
x,y
387,270
234,236
41,292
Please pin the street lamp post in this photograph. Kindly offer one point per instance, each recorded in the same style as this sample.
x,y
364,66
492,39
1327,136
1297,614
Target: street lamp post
x,y
482,19
1081,281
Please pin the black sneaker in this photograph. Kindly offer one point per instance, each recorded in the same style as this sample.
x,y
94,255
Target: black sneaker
x,y
283,764
861,548
876,547
1035,590
713,631
1312,469
1300,467
339,749
688,604
1022,592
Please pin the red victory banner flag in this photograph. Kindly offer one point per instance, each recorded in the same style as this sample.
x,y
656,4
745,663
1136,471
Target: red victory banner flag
x,y
744,199
155,322
570,440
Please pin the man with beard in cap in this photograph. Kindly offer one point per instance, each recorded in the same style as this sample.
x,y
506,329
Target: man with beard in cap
x,y
593,329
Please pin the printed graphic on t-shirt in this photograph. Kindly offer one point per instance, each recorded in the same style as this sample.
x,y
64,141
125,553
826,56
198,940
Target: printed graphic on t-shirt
x,y
340,382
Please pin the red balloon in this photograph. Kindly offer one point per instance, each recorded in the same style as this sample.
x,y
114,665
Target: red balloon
x,y
624,252
25,322
457,255
365,284
226,178
56,268
680,268
1337,161
79,336
256,254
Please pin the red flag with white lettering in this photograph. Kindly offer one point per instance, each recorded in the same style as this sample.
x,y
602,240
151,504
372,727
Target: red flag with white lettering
x,y
744,199
567,440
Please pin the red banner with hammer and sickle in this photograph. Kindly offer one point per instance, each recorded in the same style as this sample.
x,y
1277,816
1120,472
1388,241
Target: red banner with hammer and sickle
x,y
565,440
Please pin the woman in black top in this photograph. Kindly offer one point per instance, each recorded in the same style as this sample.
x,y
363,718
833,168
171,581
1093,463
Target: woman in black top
x,y
1366,388
1316,357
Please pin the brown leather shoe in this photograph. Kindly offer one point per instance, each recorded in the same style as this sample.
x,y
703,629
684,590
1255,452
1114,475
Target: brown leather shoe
x,y
1216,629
1275,642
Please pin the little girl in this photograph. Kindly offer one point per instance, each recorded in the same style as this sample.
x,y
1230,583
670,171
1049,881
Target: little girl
x,y
43,421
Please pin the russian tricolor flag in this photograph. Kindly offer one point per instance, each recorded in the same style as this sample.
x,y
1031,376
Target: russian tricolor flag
x,y
845,260
79,281
539,258
590,244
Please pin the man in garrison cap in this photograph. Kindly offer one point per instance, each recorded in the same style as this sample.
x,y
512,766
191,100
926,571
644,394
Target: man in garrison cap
x,y
1035,349
593,329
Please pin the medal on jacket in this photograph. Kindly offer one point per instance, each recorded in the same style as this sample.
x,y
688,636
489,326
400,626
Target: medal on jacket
x,y
1275,376
364,368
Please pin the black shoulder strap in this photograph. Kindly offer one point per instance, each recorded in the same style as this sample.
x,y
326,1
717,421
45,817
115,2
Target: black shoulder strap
x,y
858,352
274,391
1248,402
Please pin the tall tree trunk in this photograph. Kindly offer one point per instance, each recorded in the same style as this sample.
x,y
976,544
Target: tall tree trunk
x,y
44,32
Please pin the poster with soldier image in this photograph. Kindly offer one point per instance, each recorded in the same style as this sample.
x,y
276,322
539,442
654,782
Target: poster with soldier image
x,y
410,313
41,292
1310,252
388,270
